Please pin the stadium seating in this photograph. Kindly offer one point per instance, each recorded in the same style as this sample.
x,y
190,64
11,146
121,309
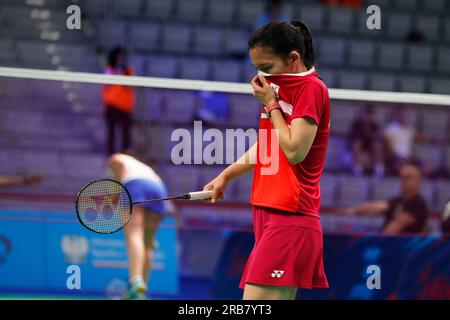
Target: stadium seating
x,y
224,70
398,25
435,124
439,85
382,81
145,36
112,33
174,27
96,8
342,117
442,192
419,57
249,11
176,38
352,191
331,51
430,155
189,11
162,66
434,6
406,4
236,41
208,41
195,68
429,26
244,188
341,20
353,80
443,60
314,16
179,106
128,9
362,53
412,84
220,11
391,56
181,179
385,188
244,110
328,187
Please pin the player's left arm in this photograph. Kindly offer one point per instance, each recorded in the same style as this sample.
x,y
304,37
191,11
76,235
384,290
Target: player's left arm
x,y
397,225
296,140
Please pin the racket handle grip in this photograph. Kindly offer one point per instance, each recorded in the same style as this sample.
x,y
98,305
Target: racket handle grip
x,y
199,195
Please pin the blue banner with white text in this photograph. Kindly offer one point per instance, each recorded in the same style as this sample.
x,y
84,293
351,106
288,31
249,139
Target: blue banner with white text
x,y
36,249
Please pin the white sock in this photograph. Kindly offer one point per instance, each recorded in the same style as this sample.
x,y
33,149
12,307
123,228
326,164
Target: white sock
x,y
138,282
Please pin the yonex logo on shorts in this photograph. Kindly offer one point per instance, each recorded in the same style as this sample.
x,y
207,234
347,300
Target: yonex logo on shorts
x,y
277,273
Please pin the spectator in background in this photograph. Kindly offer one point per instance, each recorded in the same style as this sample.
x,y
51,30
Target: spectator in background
x,y
399,137
367,144
19,181
118,101
273,12
404,214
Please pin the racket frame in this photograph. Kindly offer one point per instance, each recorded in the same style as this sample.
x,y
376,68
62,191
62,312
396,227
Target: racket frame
x,y
89,184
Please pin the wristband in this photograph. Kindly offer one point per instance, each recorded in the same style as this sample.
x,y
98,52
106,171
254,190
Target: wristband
x,y
270,107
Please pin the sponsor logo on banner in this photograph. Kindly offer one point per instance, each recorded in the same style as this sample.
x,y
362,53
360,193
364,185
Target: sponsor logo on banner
x,y
75,248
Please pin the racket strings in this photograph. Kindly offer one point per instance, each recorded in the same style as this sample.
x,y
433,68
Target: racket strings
x,y
104,206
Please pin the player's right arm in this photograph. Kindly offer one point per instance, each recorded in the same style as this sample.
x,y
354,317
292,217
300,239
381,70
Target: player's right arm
x,y
368,208
242,166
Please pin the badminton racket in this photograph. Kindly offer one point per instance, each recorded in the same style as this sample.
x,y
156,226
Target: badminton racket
x,y
105,206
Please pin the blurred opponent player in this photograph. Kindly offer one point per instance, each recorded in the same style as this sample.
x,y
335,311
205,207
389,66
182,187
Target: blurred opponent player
x,y
288,250
143,184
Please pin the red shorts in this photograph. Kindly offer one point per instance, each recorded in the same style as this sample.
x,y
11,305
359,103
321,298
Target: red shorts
x,y
288,251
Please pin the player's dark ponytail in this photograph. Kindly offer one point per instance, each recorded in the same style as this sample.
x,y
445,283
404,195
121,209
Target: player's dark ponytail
x,y
283,38
308,56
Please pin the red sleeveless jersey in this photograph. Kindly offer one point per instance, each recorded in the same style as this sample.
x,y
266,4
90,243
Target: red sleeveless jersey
x,y
283,186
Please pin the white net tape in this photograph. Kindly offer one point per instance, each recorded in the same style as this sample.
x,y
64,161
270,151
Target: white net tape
x,y
227,87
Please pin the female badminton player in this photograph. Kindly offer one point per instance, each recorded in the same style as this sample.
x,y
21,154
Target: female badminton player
x,y
142,183
288,250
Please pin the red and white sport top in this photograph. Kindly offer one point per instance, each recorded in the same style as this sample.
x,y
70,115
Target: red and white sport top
x,y
293,188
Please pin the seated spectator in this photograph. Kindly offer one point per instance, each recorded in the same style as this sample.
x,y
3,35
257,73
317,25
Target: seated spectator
x,y
400,138
405,213
366,144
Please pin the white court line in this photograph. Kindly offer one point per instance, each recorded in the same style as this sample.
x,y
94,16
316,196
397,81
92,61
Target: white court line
x,y
217,86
